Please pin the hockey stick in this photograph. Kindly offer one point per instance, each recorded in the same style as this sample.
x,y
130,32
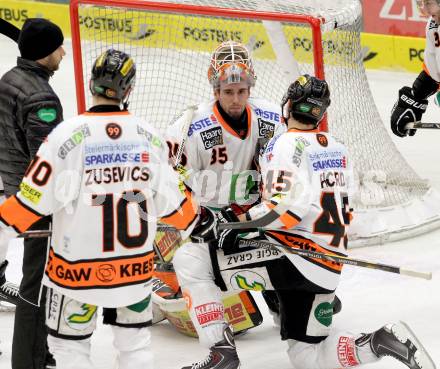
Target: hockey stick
x,y
338,259
187,117
43,233
422,125
9,30
300,252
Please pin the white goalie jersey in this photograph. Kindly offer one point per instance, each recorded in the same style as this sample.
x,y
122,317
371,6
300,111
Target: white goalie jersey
x,y
311,172
216,159
432,50
106,179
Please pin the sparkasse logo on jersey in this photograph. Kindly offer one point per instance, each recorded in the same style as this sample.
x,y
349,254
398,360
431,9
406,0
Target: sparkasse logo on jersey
x,y
330,164
117,158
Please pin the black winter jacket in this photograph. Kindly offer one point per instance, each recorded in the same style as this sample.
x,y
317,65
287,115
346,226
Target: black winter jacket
x,y
29,110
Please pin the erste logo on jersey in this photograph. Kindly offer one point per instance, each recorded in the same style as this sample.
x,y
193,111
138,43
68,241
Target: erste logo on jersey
x,y
267,114
112,153
202,123
212,137
270,146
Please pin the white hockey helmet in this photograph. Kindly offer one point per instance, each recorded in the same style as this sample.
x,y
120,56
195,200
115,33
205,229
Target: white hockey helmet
x,y
231,63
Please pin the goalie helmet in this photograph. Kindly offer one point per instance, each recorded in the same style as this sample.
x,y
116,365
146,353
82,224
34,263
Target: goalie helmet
x,y
231,63
307,100
113,75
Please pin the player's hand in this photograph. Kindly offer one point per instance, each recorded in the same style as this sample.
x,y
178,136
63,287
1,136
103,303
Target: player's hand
x,y
227,239
206,228
408,109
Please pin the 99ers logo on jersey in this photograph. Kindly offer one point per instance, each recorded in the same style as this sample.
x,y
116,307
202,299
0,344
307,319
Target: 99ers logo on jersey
x,y
322,139
113,130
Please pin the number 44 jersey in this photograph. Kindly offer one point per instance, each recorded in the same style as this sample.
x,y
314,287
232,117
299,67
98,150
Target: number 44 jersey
x,y
106,179
314,169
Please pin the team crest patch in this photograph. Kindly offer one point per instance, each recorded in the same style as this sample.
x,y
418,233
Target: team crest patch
x,y
47,115
113,130
322,140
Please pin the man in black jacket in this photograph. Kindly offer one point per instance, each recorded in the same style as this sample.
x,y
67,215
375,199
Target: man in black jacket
x,y
29,110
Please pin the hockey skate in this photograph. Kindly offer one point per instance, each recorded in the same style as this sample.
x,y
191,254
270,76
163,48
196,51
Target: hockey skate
x,y
398,341
8,291
223,355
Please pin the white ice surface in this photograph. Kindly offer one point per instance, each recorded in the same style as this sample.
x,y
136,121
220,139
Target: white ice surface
x,y
370,298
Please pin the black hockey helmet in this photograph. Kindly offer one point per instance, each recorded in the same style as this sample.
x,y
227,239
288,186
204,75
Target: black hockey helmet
x,y
307,99
113,75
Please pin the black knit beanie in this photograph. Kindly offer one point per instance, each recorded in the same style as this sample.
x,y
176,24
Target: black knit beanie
x,y
39,38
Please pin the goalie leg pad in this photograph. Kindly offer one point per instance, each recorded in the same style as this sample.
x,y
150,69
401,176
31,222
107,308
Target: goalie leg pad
x,y
203,298
133,346
68,318
70,353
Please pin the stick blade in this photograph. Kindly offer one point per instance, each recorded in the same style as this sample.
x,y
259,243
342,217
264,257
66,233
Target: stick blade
x,y
416,274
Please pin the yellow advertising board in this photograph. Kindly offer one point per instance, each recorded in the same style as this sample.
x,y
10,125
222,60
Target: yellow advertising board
x,y
17,11
393,52
204,34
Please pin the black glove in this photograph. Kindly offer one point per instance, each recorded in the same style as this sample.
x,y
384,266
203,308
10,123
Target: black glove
x,y
227,239
206,228
407,109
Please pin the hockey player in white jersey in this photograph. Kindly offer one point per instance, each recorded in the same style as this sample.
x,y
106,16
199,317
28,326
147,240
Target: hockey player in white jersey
x,y
413,101
311,173
224,135
105,177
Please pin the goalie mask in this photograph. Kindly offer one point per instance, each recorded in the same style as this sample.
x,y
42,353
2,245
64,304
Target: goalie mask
x,y
231,63
307,100
113,75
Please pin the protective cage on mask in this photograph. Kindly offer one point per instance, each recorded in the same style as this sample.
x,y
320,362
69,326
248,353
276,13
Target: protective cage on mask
x,y
171,42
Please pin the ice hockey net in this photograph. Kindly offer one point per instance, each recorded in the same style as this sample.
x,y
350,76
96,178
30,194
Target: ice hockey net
x,y
171,42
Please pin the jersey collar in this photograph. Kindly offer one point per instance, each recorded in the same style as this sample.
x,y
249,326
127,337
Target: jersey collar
x,y
228,127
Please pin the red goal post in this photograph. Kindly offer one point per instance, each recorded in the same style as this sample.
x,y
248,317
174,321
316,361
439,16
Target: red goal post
x,y
314,23
171,42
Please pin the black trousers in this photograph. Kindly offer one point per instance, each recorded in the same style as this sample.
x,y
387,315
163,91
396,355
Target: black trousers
x,y
29,343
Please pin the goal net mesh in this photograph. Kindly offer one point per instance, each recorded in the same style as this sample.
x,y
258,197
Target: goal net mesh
x,y
172,51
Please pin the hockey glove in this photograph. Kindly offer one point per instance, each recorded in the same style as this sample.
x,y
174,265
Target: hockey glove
x,y
408,109
206,228
227,238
